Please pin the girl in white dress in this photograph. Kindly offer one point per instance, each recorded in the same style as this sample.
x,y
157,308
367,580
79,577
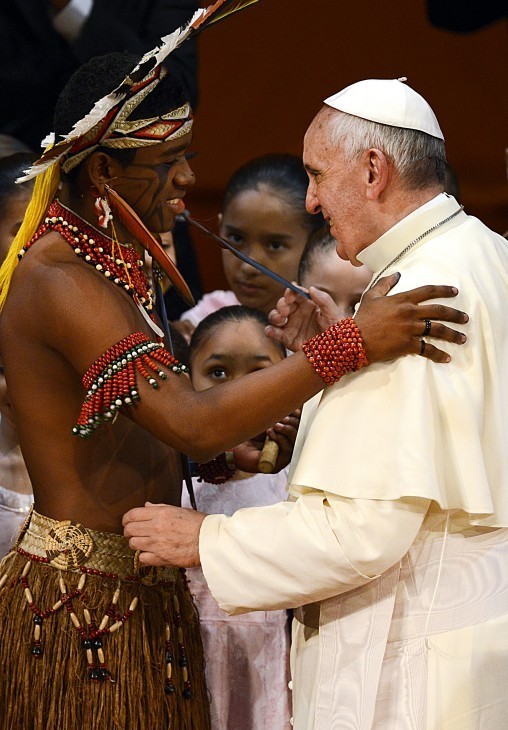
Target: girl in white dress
x,y
247,668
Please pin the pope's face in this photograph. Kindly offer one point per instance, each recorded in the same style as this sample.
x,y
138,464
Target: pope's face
x,y
335,189
156,181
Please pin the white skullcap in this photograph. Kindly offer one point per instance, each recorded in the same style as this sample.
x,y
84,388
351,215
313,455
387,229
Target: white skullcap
x,y
387,101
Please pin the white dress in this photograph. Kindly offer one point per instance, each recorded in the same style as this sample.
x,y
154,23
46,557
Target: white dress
x,y
247,657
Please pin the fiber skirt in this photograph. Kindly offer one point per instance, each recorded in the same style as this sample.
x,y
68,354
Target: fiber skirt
x,y
88,639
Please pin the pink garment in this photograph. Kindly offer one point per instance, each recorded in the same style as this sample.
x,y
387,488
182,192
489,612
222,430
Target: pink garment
x,y
209,303
247,657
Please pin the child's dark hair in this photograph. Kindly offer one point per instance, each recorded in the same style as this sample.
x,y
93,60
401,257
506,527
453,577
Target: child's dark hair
x,y
235,313
12,167
320,241
97,78
285,174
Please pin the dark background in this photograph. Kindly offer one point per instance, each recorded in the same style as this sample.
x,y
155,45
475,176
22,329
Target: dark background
x,y
265,71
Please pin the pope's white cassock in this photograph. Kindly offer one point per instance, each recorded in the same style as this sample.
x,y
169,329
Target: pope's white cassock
x,y
392,546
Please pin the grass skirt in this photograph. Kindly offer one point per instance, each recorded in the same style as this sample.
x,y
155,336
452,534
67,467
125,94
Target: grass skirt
x,y
89,648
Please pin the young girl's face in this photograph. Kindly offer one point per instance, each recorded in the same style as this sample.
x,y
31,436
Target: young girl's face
x,y
344,282
231,350
262,224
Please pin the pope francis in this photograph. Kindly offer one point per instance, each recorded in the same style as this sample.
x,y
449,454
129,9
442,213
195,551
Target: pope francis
x,y
393,544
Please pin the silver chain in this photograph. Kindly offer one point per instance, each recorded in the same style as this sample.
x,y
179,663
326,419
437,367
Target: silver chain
x,y
413,243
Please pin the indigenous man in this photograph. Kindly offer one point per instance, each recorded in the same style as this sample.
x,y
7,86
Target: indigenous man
x,y
395,538
87,636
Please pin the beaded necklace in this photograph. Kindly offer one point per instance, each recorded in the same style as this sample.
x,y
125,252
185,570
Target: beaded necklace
x,y
119,263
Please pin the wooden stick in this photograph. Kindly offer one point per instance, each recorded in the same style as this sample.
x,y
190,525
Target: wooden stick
x,y
269,456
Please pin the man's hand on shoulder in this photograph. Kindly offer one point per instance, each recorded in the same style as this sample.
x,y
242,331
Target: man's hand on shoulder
x,y
392,326
165,535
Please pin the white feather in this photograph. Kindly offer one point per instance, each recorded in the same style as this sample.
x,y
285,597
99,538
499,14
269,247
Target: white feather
x,y
49,139
37,169
168,44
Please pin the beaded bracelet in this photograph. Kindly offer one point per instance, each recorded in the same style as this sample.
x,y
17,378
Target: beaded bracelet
x,y
336,351
218,470
111,379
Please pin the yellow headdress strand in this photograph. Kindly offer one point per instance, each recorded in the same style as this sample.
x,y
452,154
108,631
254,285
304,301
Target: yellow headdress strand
x,y
107,124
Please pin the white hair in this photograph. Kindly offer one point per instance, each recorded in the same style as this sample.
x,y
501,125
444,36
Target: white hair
x,y
419,158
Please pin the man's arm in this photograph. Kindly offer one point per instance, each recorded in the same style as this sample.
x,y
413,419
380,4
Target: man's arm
x,y
81,316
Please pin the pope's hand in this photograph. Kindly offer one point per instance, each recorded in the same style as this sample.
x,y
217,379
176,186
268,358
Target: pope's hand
x,y
296,319
165,535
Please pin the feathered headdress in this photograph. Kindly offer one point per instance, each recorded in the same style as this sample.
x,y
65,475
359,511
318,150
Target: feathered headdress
x,y
102,122
114,108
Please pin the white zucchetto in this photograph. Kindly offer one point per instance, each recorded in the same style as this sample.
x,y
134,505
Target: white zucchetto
x,y
387,101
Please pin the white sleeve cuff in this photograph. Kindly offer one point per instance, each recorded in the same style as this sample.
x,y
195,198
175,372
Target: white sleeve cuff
x,y
289,554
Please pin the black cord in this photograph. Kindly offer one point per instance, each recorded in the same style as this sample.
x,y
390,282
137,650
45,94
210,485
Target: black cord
x,y
160,307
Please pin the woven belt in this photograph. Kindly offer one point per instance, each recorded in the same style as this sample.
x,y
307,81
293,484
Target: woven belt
x,y
70,546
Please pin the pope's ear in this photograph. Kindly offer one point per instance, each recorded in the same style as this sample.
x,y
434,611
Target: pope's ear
x,y
378,172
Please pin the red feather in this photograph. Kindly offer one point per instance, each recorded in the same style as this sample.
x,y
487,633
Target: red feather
x,y
133,223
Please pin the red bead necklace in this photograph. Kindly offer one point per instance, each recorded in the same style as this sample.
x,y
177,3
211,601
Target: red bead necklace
x,y
119,263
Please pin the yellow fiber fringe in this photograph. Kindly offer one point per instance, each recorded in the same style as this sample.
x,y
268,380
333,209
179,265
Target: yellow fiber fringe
x,y
53,692
46,186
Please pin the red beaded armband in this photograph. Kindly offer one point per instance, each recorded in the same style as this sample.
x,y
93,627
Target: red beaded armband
x,y
216,471
336,351
111,380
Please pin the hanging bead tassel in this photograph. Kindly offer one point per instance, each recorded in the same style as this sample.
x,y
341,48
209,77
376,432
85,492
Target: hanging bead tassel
x,y
169,687
111,380
183,662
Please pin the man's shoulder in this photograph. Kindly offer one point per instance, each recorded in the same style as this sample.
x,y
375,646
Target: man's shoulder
x,y
51,282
